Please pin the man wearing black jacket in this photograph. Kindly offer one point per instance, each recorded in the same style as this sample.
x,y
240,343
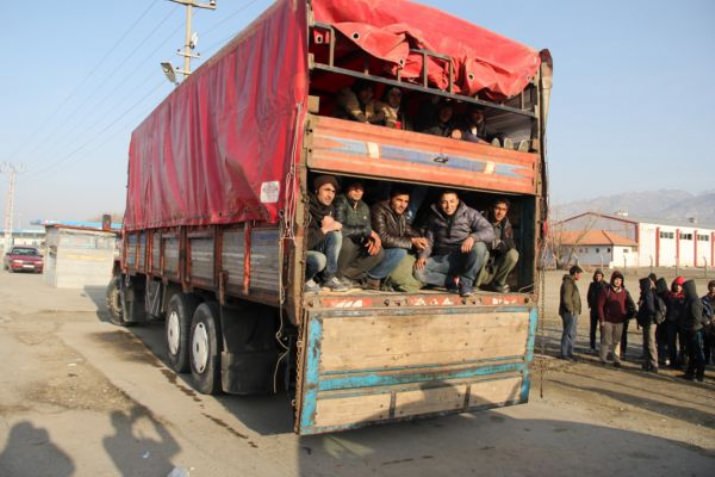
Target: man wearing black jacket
x,y
692,322
651,310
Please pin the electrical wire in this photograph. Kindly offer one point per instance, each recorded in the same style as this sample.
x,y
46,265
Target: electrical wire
x,y
32,138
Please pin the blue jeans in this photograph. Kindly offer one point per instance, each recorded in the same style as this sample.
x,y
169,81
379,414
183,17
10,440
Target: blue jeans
x,y
568,338
389,262
441,269
325,257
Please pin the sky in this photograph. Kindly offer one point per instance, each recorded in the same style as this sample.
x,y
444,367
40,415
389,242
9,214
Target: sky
x,y
632,108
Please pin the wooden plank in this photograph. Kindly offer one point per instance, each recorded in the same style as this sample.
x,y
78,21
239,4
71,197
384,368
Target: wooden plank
x,y
352,148
495,392
389,342
331,411
425,401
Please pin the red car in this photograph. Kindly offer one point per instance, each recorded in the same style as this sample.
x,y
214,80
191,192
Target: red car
x,y
24,259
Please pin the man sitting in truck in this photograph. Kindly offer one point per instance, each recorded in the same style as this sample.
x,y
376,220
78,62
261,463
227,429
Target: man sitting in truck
x,y
456,245
324,237
398,238
443,124
503,255
362,247
358,104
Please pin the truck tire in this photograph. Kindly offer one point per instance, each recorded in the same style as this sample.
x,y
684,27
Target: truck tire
x,y
114,302
179,313
205,352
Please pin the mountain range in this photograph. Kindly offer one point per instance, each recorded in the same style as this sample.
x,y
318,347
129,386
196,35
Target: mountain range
x,y
660,205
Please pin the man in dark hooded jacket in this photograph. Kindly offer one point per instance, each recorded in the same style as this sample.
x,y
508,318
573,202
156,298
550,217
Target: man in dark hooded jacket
x,y
692,324
324,237
456,245
597,285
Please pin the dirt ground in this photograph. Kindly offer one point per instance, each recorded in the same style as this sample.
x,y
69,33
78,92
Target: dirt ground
x,y
79,396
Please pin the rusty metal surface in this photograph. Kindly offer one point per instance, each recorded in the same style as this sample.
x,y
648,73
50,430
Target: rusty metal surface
x,y
202,259
264,268
171,257
232,258
349,147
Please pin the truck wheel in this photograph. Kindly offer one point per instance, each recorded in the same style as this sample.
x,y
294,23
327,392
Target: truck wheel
x,y
179,313
114,302
205,354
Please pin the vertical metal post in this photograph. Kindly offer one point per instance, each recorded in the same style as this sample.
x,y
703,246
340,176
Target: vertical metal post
x,y
11,171
188,46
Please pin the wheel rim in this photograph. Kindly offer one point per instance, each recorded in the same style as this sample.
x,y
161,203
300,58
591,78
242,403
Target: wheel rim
x,y
200,346
173,332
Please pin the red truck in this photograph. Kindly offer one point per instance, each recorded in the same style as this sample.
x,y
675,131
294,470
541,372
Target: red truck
x,y
213,240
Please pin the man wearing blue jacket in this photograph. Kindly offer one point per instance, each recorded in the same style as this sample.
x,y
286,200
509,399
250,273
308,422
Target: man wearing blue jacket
x,y
456,245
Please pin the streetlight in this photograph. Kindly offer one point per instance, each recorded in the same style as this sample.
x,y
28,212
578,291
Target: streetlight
x,y
169,71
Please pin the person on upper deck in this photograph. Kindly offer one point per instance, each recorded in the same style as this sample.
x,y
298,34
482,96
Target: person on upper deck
x,y
443,123
503,255
362,248
474,129
456,245
398,238
324,238
391,107
358,104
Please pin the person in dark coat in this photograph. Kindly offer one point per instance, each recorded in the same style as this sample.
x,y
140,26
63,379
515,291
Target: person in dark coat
x,y
597,285
398,238
661,332
456,245
709,330
503,255
569,310
675,338
692,324
362,248
324,237
443,124
615,306
650,310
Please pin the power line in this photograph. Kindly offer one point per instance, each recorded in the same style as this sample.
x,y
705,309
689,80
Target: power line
x,y
63,159
49,138
30,139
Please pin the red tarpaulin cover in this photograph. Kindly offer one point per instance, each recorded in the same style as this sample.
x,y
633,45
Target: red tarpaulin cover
x,y
219,148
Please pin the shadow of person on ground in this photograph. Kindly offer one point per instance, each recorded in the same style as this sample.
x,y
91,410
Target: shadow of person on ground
x,y
141,445
30,451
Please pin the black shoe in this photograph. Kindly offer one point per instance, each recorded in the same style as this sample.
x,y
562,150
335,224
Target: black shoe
x,y
689,377
654,370
465,290
617,364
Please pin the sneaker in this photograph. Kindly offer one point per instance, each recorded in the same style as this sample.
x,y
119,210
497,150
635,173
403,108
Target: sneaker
x,y
465,290
333,284
508,143
523,145
495,142
351,284
311,287
617,364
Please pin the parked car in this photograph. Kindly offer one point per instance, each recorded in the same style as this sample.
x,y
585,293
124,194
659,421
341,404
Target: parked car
x,y
24,259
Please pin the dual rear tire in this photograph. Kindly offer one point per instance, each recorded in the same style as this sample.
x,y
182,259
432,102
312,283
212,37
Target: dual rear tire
x,y
193,338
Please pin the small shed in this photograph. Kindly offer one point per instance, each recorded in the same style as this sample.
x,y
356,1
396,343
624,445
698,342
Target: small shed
x,y
76,257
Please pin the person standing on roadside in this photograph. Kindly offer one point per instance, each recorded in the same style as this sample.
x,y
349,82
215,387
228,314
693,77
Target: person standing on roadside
x,y
661,332
709,330
675,302
651,311
597,285
615,306
692,325
569,309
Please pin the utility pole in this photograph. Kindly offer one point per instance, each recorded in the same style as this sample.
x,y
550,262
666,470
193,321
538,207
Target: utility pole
x,y
11,170
190,39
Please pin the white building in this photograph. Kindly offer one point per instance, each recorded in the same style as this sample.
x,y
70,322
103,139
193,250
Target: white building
x,y
658,243
597,248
